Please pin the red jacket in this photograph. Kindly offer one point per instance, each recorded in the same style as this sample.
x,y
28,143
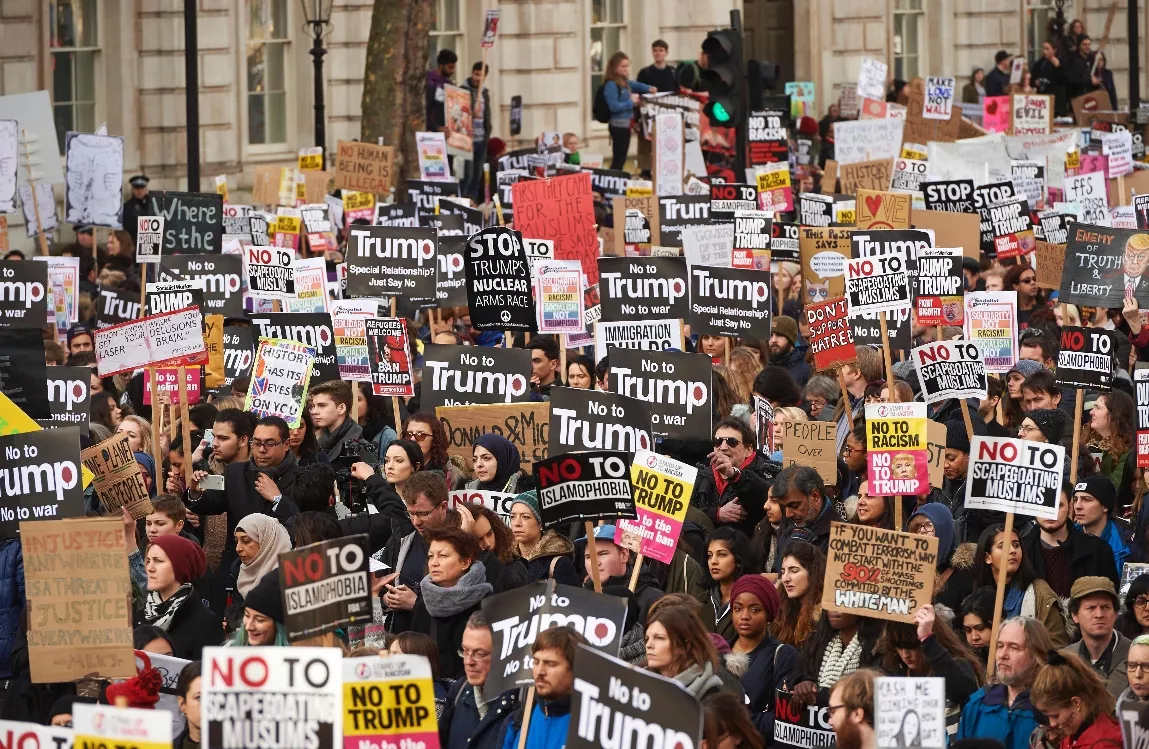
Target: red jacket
x,y
1105,733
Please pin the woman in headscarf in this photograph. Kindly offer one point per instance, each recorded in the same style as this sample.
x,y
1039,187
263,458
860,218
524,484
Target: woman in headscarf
x,y
259,540
497,465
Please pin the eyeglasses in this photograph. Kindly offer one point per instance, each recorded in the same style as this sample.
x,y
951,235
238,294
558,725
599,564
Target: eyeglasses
x,y
266,444
834,708
474,655
422,515
1141,602
417,436
1026,429
924,527
848,451
1138,668
730,441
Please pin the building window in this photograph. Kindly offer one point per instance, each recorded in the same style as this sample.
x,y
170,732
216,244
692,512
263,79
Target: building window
x,y
907,30
608,19
267,61
445,31
74,43
1038,14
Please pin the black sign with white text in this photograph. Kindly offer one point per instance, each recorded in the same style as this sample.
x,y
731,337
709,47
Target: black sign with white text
x,y
952,196
69,397
43,477
597,420
222,277
499,281
585,486
1087,358
23,294
325,586
466,375
676,384
238,354
680,211
312,329
730,302
116,306
633,289
193,221
391,261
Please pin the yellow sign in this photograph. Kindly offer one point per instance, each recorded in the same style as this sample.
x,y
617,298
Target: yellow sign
x,y
773,180
388,697
914,151
643,189
846,216
353,201
287,224
311,159
1073,159
221,186
14,421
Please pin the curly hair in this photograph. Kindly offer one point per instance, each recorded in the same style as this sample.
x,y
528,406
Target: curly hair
x,y
437,456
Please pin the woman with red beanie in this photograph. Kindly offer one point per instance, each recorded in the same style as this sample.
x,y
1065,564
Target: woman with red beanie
x,y
172,563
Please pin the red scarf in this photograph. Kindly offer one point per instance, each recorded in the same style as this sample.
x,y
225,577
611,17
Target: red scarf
x,y
720,483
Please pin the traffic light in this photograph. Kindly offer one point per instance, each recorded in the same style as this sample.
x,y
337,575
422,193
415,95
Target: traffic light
x,y
761,76
724,76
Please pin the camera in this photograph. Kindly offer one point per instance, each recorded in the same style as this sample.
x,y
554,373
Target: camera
x,y
352,490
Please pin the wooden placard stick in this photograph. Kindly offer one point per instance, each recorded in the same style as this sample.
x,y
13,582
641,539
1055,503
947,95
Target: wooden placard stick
x,y
185,419
999,598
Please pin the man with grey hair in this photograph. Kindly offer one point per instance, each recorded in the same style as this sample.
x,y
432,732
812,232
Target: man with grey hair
x,y
472,719
802,496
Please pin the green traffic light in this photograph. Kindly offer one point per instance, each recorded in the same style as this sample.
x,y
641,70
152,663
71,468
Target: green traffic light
x,y
719,113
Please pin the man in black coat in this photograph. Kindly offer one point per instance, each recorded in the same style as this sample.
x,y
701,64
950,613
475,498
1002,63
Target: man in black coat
x,y
802,494
732,489
997,80
462,725
1061,553
137,205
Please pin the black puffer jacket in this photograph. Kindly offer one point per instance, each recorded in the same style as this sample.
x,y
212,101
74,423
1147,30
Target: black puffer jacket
x,y
748,489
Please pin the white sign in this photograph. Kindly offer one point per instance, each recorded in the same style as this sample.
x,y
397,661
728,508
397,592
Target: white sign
x,y
104,725
950,369
1119,148
270,274
871,80
939,101
1090,192
669,154
910,711
1017,65
149,238
878,283
868,140
150,341
709,244
1014,475
35,736
1032,114
648,335
310,286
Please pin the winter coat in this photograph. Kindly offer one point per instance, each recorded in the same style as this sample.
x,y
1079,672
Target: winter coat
x,y
686,575
988,714
1117,676
769,667
723,623
618,99
405,542
954,581
547,728
193,628
460,726
552,552
748,489
1103,733
646,590
11,601
960,678
435,99
816,533
447,632
1086,555
794,362
240,499
1047,609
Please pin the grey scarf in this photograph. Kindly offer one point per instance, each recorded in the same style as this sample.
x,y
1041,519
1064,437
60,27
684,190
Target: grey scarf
x,y
471,588
699,680
332,442
275,473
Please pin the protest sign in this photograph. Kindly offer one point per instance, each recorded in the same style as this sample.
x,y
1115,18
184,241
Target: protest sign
x,y
991,323
1050,264
115,306
279,379
69,397
751,246
814,209
763,426
766,136
679,211
676,384
633,290
269,273
288,225
939,99
878,573
813,444
939,286
99,726
824,253
950,369
1088,190
64,287
896,449
118,477
1029,179
560,209
830,338
1087,358
351,346
865,175
592,485
1012,227
726,198
193,221
221,276
984,197
995,114
877,283
1104,265
662,489
872,79
174,339
867,140
1014,475
238,354
310,276
730,301
883,210
42,471
1055,230
1141,390
711,244
908,175
426,193
315,331
497,502
953,196
801,728
774,190
324,586
389,357
459,122
651,335
597,420
20,735
472,217
170,296
936,447
391,261
23,295
364,167
498,281
784,242
397,214
464,375
524,425
611,692
910,711
389,702
559,297
76,577
23,374
250,693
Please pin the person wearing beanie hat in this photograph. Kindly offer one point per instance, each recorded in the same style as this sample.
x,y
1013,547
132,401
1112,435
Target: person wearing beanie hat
x,y
763,664
548,555
1043,425
172,563
1094,502
1060,552
80,339
1017,374
955,463
262,614
786,351
61,712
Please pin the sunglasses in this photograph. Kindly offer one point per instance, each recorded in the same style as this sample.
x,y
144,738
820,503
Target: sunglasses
x,y
730,441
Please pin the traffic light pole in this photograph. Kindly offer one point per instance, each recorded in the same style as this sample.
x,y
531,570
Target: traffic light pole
x,y
740,139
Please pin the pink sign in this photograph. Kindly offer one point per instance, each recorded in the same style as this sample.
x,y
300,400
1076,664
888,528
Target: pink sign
x,y
167,382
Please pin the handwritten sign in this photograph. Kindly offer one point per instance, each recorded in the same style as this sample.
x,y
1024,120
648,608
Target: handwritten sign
x,y
525,425
878,573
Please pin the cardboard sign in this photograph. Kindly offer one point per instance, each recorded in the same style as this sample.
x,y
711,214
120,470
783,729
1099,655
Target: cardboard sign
x,y
518,615
730,301
591,486
597,420
633,290
653,335
562,210
813,444
221,277
1014,475
991,323
388,702
192,221
1012,228
936,448
1050,264
104,725
78,569
677,385
465,375
950,369
23,295
1087,105
865,175
364,167
939,286
1087,358
389,359
910,711
171,339
1141,390
498,281
269,273
391,261
279,380
830,337
951,229
861,578
118,477
939,100
824,253
883,210
878,283
1088,190
955,196
324,586
662,490
249,691
69,397
896,449
1103,266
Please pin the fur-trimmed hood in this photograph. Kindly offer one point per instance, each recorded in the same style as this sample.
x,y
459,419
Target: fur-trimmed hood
x,y
737,663
550,545
964,556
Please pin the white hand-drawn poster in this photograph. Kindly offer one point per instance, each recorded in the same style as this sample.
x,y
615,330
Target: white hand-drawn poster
x,y
94,177
9,148
47,205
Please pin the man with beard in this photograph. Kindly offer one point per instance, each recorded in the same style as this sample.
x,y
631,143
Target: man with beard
x,y
802,495
1061,553
553,651
1003,710
852,710
784,351
473,719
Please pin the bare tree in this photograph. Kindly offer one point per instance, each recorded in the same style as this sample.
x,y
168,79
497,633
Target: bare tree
x,y
395,79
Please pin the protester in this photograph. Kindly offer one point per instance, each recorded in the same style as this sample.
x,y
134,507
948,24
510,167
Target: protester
x,y
262,616
729,556
1076,705
853,720
783,415
172,564
802,495
188,692
1061,553
800,592
427,431
1094,503
1049,78
435,95
874,511
1026,595
259,540
726,724
615,564
553,652
471,185
731,489
786,351
678,648
1137,672
402,460
548,555
1113,432
376,417
1134,619
621,97
473,719
768,531
302,442
497,465
545,355
659,74
580,372
425,501
955,578
997,79
1093,606
976,620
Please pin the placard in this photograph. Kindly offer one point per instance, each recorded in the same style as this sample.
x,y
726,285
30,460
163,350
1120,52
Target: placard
x,y
939,100
867,140
814,209
69,397
392,261
652,335
389,702
1087,358
813,444
953,196
389,357
991,323
728,197
24,295
824,253
171,296
910,711
950,369
17,734
883,210
896,449
865,175
221,276
559,296
711,244
984,197
878,283
238,354
730,301
115,307
76,577
173,339
364,167
314,330
118,478
560,209
940,286
168,383
1141,391
662,490
766,136
1089,191
908,175
1104,265
499,503
193,221
279,380
633,290
774,190
1012,227
1014,475
751,245
257,691
584,486
129,727
466,375
310,276
679,211
798,728
784,242
597,420
269,273
324,586
351,346
872,79
676,384
498,281
830,338
878,573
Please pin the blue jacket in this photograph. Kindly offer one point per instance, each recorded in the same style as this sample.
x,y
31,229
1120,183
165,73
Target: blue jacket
x,y
11,601
987,714
460,726
618,99
1112,535
547,729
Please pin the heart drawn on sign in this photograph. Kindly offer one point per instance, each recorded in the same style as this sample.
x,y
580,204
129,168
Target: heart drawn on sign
x,y
991,107
873,203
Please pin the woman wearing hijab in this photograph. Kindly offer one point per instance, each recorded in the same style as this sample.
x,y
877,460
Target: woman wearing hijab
x,y
259,540
172,563
497,466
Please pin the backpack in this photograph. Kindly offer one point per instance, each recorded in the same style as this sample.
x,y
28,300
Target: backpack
x,y
601,109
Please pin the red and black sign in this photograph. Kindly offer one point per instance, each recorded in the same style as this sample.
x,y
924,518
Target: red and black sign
x,y
728,197
325,586
585,486
830,337
1087,358
784,242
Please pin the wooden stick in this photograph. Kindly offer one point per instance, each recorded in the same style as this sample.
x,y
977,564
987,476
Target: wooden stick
x,y
35,197
185,418
893,397
726,350
634,575
156,413
966,418
507,338
593,557
563,359
999,598
499,211
846,399
530,704
354,402
1077,414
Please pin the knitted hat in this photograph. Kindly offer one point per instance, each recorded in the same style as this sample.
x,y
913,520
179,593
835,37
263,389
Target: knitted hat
x,y
266,598
1026,367
1051,422
760,588
1100,488
957,438
531,500
188,561
142,690
787,327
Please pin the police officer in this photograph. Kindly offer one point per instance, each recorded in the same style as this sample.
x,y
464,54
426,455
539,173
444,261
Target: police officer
x,y
137,205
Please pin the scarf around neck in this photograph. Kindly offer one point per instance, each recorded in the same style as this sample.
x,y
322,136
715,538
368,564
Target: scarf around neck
x,y
839,661
721,483
275,473
159,613
698,680
471,588
332,442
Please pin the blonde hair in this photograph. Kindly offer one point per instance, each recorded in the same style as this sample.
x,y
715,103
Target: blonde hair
x,y
790,413
1070,315
744,367
145,428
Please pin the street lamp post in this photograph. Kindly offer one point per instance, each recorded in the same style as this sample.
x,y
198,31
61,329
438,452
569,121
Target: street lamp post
x,y
318,20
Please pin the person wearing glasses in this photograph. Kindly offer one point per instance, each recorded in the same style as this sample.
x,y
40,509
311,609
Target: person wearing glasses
x,y
1061,552
427,432
1134,619
1023,280
1137,671
955,560
852,710
732,489
1093,605
463,724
